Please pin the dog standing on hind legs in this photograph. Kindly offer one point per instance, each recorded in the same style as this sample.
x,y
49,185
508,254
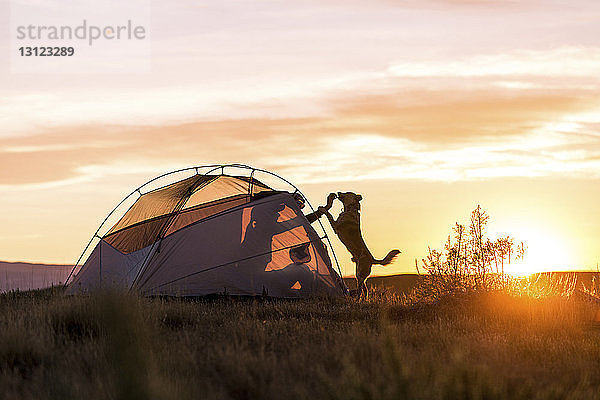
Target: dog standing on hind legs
x,y
347,228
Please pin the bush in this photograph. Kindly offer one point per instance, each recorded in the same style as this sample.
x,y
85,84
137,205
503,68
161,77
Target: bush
x,y
470,261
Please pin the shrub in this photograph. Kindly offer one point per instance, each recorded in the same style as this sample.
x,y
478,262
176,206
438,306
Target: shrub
x,y
470,260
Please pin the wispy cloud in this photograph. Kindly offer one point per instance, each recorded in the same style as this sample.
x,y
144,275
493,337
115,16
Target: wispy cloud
x,y
581,62
572,70
363,138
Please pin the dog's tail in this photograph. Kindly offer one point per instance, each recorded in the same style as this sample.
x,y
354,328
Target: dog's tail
x,y
389,258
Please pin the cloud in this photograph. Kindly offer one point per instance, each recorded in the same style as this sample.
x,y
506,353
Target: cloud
x,y
453,117
562,62
572,70
456,136
519,113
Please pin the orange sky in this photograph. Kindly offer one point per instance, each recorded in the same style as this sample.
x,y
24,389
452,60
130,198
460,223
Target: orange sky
x,y
427,108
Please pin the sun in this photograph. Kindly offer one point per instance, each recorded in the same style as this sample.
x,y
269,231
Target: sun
x,y
545,251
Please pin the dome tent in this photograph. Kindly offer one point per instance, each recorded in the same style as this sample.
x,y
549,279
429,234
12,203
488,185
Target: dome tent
x,y
219,229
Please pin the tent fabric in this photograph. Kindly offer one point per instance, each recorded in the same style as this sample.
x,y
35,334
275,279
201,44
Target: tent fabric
x,y
208,235
108,268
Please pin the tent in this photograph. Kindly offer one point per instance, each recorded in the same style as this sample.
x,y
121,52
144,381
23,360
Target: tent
x,y
218,230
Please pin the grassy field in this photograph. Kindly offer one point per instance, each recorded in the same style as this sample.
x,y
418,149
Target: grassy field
x,y
109,346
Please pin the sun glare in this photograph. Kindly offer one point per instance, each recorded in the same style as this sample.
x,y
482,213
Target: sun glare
x,y
545,251
522,269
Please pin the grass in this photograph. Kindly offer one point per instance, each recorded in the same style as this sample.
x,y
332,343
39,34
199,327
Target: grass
x,y
474,346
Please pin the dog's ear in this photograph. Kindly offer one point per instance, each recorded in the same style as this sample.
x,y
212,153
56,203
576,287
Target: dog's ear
x,y
359,197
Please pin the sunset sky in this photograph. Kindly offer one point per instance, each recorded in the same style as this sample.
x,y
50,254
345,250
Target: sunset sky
x,y
426,107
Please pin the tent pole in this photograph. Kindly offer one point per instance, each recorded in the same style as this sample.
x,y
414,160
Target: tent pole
x,y
251,184
100,268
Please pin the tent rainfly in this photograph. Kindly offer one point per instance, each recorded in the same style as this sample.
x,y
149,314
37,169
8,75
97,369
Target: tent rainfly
x,y
210,233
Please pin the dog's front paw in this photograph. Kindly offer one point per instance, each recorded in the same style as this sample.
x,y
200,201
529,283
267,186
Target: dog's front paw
x,y
330,199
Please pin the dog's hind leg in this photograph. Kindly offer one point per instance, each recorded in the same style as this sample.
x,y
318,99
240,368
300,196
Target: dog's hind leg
x,y
363,270
359,287
362,288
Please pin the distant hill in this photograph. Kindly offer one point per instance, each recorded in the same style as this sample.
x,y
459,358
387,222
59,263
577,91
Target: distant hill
x,y
26,276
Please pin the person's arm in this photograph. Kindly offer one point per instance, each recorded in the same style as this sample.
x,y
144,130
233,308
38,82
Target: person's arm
x,y
290,223
313,216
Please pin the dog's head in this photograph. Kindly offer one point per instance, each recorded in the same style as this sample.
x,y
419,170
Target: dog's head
x,y
350,200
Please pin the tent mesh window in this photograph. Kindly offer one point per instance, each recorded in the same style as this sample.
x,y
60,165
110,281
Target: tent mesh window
x,y
165,210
